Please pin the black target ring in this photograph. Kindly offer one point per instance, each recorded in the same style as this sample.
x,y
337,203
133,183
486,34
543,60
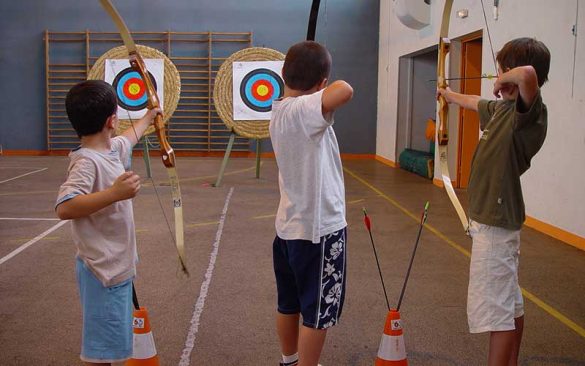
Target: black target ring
x,y
261,78
131,90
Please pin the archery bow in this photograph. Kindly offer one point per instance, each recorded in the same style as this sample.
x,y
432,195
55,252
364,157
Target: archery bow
x,y
168,155
443,106
443,112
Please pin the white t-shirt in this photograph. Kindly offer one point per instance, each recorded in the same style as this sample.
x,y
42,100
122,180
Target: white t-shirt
x,y
312,192
106,239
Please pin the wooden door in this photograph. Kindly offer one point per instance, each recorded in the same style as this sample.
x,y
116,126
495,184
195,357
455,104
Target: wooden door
x,y
468,119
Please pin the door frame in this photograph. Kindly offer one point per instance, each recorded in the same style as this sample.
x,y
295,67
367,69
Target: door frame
x,y
478,35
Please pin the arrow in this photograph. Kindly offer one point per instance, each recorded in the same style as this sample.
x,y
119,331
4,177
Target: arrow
x,y
423,219
484,76
368,224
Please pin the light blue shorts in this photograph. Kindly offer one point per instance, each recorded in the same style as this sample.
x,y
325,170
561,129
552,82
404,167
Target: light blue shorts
x,y
107,318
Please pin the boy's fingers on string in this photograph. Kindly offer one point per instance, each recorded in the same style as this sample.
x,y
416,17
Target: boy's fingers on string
x,y
135,184
124,176
497,87
134,176
129,178
497,91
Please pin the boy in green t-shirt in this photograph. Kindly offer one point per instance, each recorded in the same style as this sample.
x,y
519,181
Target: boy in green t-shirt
x,y
514,129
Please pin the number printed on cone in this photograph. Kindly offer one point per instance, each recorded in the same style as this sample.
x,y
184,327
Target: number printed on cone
x,y
138,323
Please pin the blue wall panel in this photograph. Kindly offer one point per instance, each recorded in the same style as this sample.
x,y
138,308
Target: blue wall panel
x,y
349,28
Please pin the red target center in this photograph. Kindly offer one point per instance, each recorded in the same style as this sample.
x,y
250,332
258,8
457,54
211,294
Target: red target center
x,y
134,88
262,90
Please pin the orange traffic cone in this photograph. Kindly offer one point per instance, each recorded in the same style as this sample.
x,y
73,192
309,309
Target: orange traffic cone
x,y
392,351
144,350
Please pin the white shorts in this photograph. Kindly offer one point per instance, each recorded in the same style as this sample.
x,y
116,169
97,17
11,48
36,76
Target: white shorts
x,y
494,297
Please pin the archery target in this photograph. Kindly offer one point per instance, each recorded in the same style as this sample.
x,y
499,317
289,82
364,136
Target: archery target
x,y
130,89
129,86
259,88
256,85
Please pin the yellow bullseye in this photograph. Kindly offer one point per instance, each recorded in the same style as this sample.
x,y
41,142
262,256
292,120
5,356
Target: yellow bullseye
x,y
262,90
134,88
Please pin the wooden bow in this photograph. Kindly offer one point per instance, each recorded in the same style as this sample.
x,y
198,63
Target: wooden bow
x,y
443,112
168,155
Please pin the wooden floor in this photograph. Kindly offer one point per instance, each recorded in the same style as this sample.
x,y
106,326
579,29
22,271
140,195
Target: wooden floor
x,y
223,314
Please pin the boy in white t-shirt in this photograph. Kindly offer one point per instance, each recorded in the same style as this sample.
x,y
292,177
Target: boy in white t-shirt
x,y
309,250
97,198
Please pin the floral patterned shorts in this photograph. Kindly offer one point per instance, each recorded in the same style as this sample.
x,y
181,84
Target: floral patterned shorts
x,y
310,278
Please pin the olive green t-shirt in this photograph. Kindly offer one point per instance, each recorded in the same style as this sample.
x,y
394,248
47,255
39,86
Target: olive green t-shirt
x,y
510,139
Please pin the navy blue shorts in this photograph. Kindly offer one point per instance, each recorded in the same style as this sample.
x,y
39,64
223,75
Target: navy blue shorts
x,y
310,278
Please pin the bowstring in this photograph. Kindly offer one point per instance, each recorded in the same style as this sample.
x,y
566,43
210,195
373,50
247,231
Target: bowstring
x,y
489,37
575,35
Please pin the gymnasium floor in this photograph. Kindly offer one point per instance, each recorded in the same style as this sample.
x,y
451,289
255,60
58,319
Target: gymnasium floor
x,y
223,314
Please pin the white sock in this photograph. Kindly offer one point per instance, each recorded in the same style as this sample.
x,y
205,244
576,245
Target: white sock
x,y
291,358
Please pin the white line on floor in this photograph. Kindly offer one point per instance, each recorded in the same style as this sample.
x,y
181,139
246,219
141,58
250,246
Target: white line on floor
x,y
20,167
29,219
23,175
190,342
32,241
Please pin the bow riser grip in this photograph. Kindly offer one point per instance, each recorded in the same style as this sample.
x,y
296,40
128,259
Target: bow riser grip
x,y
443,130
168,155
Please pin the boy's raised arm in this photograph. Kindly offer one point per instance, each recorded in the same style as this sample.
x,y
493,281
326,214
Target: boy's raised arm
x,y
336,95
525,78
135,133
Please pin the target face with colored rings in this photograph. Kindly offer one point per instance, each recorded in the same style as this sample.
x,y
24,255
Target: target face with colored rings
x,y
130,89
259,88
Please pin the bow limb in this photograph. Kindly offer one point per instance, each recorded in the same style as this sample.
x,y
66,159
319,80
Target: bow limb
x,y
313,20
443,113
168,155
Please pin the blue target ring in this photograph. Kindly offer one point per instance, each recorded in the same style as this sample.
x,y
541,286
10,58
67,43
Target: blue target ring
x,y
130,89
259,88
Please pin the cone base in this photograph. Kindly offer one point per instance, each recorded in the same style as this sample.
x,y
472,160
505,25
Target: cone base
x,y
381,362
153,361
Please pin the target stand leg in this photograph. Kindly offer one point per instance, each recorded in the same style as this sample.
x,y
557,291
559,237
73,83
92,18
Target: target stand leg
x,y
258,152
225,159
146,156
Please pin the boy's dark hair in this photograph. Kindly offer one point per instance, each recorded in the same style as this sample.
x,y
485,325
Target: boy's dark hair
x,y
306,64
89,104
526,51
